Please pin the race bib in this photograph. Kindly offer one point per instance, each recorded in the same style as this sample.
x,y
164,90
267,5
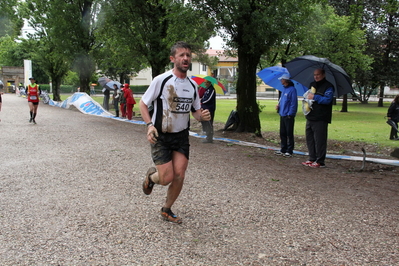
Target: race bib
x,y
181,105
33,97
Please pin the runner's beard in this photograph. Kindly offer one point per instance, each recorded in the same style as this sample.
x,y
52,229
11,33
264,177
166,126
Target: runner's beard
x,y
182,68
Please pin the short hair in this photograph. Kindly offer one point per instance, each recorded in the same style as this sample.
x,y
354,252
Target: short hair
x,y
178,45
396,99
322,70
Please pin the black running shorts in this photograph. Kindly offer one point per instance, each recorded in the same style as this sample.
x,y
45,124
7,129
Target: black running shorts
x,y
167,143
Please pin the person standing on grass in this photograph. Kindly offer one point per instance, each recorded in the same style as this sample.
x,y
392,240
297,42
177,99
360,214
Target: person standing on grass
x,y
287,109
318,118
208,101
115,99
173,95
122,100
393,115
106,98
130,101
33,93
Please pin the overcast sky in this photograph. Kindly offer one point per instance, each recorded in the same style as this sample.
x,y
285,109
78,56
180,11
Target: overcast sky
x,y
216,43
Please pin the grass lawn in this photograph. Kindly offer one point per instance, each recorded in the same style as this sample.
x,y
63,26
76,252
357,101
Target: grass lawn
x,y
362,122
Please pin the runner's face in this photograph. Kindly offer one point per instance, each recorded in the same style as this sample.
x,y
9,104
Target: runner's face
x,y
182,59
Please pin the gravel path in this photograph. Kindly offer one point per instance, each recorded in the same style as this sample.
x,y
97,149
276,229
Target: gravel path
x,y
70,194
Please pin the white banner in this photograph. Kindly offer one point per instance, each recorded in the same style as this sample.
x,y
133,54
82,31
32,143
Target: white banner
x,y
84,103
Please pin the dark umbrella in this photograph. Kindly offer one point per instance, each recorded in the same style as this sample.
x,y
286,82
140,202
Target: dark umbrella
x,y
302,68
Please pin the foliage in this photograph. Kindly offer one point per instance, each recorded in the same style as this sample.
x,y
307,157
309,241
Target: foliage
x,y
10,21
252,28
380,19
147,29
10,52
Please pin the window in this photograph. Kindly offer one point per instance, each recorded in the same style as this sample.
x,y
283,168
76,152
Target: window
x,y
203,67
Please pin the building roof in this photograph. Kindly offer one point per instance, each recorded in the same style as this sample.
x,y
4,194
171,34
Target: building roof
x,y
220,54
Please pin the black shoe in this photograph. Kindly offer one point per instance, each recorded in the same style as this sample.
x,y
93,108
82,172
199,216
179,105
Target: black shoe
x,y
30,120
34,122
207,141
168,215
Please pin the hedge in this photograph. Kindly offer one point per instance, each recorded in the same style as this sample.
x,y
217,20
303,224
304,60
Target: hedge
x,y
98,89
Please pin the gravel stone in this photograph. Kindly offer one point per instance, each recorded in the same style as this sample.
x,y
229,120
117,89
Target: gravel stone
x,y
70,194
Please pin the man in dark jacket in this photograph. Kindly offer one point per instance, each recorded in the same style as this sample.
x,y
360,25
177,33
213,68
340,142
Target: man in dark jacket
x,y
393,118
318,119
208,101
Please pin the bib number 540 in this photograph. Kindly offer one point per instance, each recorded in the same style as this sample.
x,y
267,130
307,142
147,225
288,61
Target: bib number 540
x,y
182,107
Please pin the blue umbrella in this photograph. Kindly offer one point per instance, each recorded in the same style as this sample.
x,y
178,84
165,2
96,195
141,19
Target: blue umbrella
x,y
270,77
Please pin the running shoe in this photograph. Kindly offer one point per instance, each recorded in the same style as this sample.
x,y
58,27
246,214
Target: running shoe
x,y
307,163
287,154
278,153
148,185
317,165
168,215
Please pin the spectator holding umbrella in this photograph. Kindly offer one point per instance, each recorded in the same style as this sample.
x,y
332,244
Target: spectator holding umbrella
x,y
318,118
287,109
115,99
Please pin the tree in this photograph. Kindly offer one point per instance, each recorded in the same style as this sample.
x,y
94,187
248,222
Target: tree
x,y
342,41
380,19
252,29
10,22
65,30
149,28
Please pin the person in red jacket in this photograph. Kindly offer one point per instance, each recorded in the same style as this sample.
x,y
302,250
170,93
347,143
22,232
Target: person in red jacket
x,y
130,102
33,93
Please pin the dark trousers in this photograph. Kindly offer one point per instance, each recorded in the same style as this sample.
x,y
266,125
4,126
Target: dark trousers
x,y
116,106
394,133
287,134
123,110
316,140
207,126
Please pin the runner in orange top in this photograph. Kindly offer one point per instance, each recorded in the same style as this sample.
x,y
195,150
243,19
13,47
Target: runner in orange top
x,y
33,93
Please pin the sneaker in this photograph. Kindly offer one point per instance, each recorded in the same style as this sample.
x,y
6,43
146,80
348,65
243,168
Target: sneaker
x,y
317,165
148,185
287,154
30,120
168,215
307,163
278,153
207,141
34,122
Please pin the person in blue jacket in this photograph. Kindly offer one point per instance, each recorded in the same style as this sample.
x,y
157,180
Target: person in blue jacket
x,y
318,119
287,109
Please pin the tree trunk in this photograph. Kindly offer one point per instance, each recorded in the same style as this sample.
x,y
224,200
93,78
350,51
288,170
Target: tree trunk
x,y
247,106
345,103
381,98
56,81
